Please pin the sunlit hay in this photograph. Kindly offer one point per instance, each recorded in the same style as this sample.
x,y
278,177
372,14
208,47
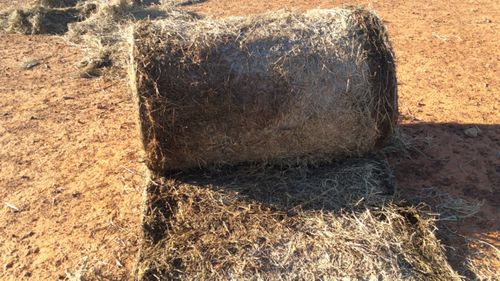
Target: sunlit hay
x,y
289,88
248,223
102,35
483,261
38,19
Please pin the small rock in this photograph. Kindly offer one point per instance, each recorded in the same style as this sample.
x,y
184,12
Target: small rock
x,y
8,265
472,132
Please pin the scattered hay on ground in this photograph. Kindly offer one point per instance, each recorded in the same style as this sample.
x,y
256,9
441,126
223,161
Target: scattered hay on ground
x,y
450,208
98,27
42,20
400,144
103,34
283,87
328,223
482,267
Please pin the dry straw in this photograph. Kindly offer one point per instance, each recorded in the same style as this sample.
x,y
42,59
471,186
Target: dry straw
x,y
103,34
45,17
330,223
282,87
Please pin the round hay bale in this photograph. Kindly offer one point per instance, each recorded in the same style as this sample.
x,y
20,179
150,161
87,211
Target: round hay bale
x,y
283,87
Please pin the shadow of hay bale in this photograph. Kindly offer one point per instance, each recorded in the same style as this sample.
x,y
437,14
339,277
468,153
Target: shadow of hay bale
x,y
58,3
334,221
466,208
332,187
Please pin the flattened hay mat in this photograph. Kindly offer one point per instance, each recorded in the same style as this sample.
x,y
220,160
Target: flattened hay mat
x,y
281,87
335,222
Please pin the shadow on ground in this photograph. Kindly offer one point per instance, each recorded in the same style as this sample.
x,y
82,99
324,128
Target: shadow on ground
x,y
457,174
444,169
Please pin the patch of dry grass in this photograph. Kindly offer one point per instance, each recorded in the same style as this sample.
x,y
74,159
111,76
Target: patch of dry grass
x,y
449,207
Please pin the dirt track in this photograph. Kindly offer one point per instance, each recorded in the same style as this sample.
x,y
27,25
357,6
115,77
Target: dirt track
x,y
70,158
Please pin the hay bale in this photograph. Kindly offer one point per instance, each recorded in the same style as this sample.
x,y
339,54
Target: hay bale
x,y
282,87
332,223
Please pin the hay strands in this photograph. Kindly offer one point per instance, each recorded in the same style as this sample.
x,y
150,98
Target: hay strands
x,y
12,207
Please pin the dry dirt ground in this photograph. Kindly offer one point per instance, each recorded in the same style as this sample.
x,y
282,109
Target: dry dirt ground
x,y
70,157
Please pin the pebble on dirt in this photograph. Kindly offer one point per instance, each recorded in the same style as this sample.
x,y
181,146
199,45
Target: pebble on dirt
x,y
472,132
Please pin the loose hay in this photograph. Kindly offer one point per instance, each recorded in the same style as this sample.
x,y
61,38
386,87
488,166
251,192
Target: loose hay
x,y
283,87
43,19
329,223
97,27
104,38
